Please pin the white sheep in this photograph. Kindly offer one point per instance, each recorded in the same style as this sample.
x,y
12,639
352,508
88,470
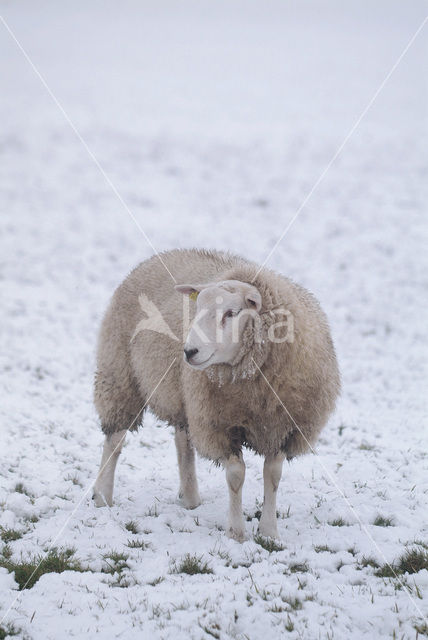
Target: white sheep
x,y
259,370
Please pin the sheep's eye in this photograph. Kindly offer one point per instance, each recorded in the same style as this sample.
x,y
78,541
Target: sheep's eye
x,y
229,314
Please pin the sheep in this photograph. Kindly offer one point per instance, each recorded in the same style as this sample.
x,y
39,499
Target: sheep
x,y
257,369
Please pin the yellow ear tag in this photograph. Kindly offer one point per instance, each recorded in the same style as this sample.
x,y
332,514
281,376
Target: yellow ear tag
x,y
193,295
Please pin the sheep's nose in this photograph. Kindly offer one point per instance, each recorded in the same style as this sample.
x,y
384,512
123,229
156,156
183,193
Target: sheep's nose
x,y
190,353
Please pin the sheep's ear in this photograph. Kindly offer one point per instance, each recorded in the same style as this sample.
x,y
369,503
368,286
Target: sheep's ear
x,y
186,289
191,290
253,299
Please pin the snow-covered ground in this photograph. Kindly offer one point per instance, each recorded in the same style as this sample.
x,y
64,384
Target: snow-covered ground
x,y
213,120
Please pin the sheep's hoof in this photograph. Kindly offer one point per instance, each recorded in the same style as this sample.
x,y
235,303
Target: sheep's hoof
x,y
190,502
268,531
236,534
100,500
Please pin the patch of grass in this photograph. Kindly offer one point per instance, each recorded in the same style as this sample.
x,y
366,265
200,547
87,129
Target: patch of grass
x,y
268,543
152,512
417,590
302,583
6,552
191,565
289,625
387,571
284,514
320,548
223,555
421,629
242,563
352,551
338,522
421,543
293,602
161,613
213,630
9,535
277,608
9,630
75,480
132,527
21,488
27,572
32,519
365,446
156,581
381,521
138,543
299,567
115,565
369,562
412,561
115,561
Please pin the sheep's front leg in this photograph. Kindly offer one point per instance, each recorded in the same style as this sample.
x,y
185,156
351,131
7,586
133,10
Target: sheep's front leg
x,y
235,476
189,492
103,489
272,471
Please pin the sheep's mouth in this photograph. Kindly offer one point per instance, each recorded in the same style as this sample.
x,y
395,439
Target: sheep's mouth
x,y
199,365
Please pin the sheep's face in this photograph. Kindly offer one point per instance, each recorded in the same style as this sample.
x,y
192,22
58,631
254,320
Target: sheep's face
x,y
223,310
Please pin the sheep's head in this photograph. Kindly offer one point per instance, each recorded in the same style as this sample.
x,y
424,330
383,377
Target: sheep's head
x,y
226,314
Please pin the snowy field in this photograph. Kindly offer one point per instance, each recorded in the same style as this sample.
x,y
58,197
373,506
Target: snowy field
x,y
213,121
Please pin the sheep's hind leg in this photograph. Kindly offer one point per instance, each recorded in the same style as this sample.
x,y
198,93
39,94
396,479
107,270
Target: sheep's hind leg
x,y
272,471
103,489
189,492
235,476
